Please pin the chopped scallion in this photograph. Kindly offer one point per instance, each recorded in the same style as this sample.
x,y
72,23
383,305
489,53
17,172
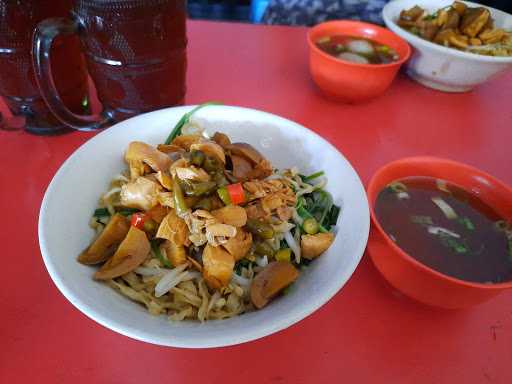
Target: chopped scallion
x,y
312,176
452,243
184,120
466,222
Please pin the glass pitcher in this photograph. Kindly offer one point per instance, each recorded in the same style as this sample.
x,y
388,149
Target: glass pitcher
x,y
135,52
18,87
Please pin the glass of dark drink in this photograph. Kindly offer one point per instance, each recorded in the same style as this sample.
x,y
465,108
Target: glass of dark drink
x,y
135,52
17,82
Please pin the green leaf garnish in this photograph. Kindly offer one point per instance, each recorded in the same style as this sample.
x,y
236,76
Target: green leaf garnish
x,y
184,120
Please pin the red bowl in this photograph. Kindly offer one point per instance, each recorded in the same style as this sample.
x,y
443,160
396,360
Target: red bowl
x,y
352,82
405,273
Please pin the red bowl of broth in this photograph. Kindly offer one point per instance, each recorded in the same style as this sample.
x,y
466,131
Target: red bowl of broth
x,y
354,61
441,231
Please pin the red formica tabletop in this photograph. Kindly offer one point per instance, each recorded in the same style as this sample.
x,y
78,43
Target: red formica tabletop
x,y
367,333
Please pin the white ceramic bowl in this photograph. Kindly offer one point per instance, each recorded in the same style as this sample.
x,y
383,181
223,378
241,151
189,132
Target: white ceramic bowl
x,y
73,194
442,68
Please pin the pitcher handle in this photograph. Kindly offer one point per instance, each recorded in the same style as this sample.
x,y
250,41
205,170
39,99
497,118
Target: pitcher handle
x,y
44,34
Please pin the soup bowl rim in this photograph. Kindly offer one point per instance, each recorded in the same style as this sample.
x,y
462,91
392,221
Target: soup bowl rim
x,y
402,59
373,190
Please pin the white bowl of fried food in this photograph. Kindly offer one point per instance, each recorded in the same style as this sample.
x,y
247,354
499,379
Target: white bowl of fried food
x,y
238,225
457,45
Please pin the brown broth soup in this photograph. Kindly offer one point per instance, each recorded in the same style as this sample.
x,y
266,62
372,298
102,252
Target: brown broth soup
x,y
446,228
357,49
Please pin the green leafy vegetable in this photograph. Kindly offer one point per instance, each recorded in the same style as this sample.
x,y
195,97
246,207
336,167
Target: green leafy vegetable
x,y
184,120
320,204
333,215
243,263
327,205
101,212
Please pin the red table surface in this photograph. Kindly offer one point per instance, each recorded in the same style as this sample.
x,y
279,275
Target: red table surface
x,y
367,333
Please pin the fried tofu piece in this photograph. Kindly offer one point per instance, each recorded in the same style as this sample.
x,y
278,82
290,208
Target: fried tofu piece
x,y
474,20
452,19
218,266
450,37
406,24
428,29
314,245
459,41
493,36
412,14
475,41
489,26
459,7
443,36
239,245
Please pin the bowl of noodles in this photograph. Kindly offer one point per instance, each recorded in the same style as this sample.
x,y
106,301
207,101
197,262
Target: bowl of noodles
x,y
458,45
203,227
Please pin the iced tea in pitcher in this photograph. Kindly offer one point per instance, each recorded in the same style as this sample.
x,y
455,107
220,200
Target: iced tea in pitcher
x,y
18,19
135,52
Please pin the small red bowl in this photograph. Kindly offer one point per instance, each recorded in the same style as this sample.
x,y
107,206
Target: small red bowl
x,y
352,82
405,273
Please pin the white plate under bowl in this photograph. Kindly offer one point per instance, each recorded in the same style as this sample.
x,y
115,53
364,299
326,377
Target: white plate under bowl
x,y
74,191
